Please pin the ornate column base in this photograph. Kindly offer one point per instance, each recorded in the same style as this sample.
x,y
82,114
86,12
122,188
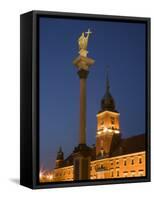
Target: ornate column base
x,y
82,158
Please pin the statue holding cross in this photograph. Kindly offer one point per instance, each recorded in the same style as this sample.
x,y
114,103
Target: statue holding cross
x,y
83,43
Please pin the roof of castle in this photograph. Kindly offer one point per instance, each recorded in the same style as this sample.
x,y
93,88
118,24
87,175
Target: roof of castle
x,y
123,146
129,145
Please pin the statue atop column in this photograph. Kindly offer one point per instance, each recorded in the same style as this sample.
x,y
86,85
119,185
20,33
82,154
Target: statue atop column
x,y
83,43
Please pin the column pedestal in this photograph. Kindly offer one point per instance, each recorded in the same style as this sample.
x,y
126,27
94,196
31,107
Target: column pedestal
x,y
81,162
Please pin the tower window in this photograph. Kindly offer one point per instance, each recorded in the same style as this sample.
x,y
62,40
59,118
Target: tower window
x,y
102,122
112,120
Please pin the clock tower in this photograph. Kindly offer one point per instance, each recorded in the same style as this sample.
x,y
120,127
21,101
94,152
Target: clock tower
x,y
108,126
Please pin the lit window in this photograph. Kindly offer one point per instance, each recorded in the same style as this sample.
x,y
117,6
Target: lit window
x,y
112,120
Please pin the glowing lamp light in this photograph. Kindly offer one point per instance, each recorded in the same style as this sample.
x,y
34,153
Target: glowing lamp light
x,y
117,131
45,176
99,132
50,176
40,175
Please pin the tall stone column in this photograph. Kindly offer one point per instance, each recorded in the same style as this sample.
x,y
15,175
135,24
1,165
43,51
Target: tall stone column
x,y
83,76
82,153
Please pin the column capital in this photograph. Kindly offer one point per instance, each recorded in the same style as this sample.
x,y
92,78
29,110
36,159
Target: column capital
x,y
83,74
82,62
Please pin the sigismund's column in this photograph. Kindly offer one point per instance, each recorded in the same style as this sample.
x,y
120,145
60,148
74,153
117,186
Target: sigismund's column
x,y
82,152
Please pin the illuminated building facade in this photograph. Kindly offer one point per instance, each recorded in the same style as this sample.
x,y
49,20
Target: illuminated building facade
x,y
112,156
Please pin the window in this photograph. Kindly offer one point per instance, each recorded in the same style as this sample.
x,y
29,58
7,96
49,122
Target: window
x,y
102,122
117,162
117,172
125,162
111,173
140,160
112,120
132,162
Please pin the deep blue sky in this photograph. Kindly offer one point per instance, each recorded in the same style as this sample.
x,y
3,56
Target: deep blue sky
x,y
119,45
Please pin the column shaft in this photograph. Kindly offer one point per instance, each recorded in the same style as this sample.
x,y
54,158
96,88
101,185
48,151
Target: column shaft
x,y
82,111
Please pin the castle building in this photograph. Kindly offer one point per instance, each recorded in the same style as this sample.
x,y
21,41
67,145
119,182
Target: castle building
x,y
113,156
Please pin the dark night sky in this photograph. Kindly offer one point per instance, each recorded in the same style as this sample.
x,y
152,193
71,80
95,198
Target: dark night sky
x,y
119,45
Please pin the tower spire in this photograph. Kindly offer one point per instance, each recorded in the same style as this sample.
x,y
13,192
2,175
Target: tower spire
x,y
107,103
107,79
60,154
60,148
